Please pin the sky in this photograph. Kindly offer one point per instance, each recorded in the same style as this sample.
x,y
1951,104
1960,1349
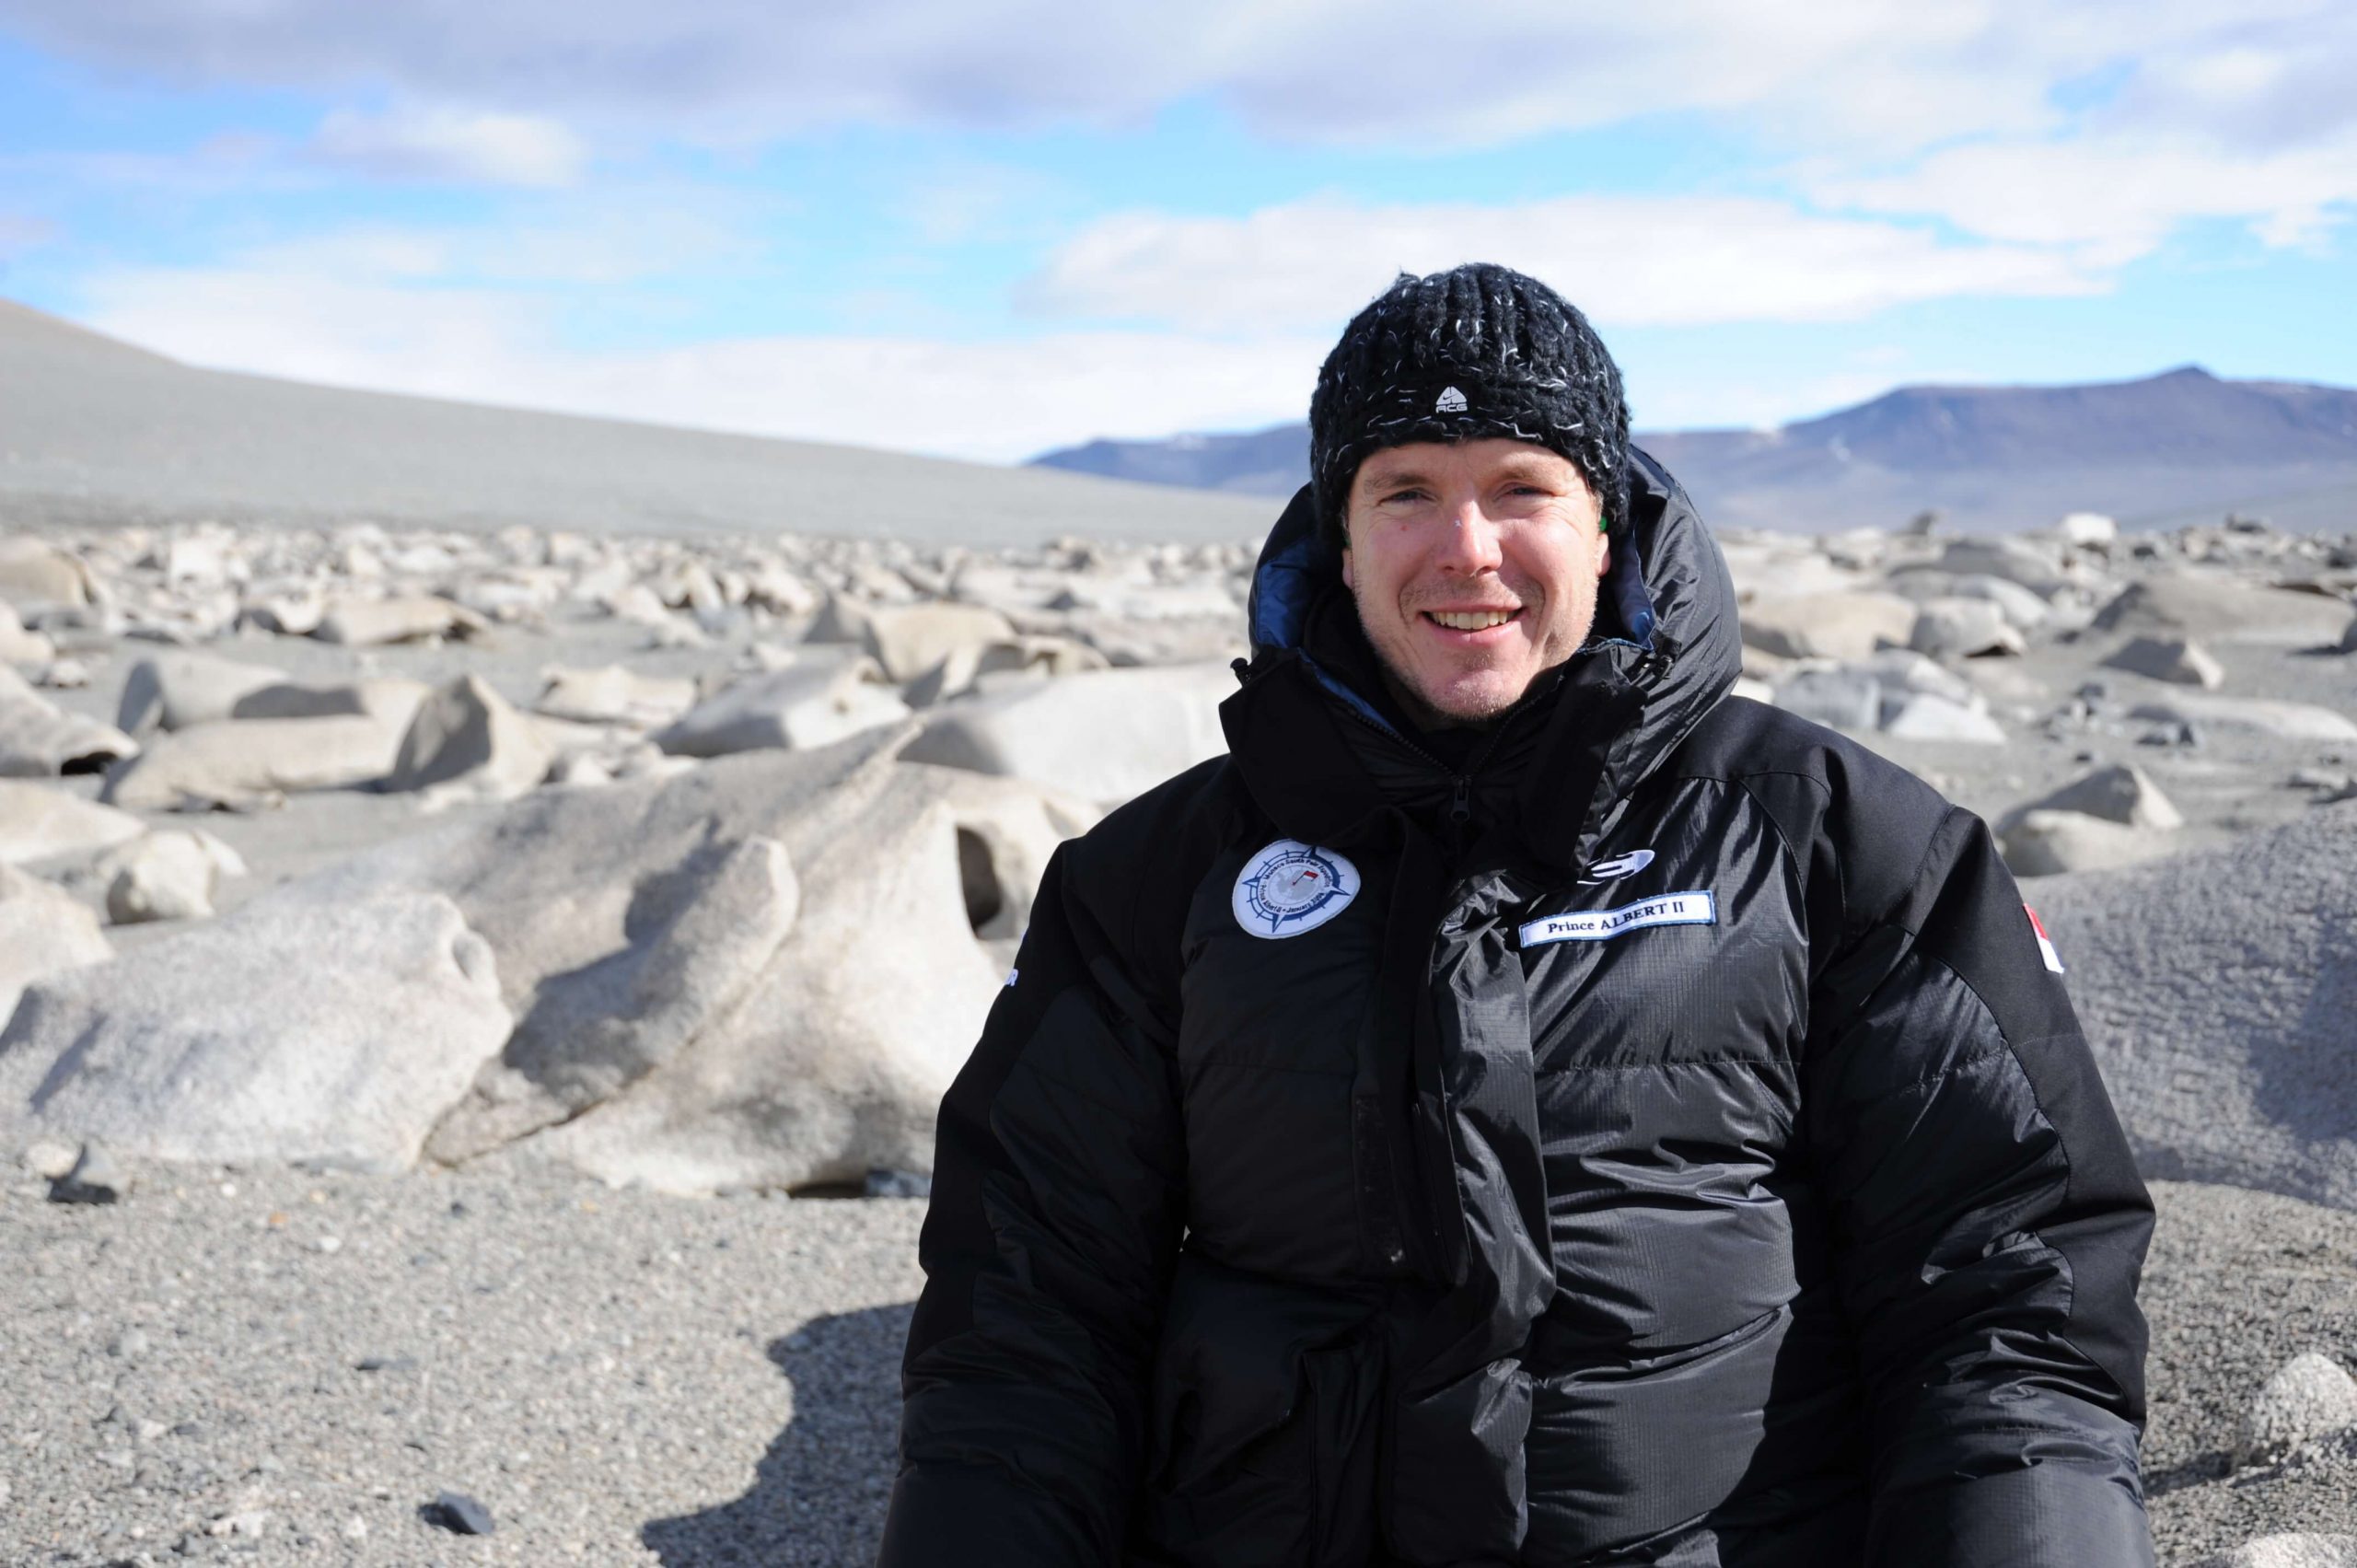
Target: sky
x,y
982,231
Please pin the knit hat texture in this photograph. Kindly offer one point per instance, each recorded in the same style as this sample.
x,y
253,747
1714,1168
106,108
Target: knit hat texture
x,y
1474,352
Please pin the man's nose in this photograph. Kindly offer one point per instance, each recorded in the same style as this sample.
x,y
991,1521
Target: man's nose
x,y
1471,542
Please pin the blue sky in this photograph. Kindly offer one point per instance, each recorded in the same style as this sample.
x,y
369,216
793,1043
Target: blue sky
x,y
921,226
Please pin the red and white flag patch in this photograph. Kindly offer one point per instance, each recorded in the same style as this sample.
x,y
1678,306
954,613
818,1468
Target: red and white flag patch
x,y
2044,943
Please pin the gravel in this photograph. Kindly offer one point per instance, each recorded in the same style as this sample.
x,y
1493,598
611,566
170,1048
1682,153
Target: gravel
x,y
615,1377
622,1378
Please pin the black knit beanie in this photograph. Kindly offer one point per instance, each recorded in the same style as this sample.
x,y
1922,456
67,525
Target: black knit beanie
x,y
1478,351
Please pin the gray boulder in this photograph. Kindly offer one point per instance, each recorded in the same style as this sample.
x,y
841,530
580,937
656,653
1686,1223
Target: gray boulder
x,y
2284,721
1963,628
44,930
908,640
18,645
38,822
2348,644
615,695
2021,562
2174,660
762,972
1845,698
2047,843
2118,794
34,574
467,741
170,874
2212,606
391,699
965,669
39,739
811,703
1828,625
2216,989
1926,715
179,686
2309,1396
1102,737
238,762
288,1030
368,622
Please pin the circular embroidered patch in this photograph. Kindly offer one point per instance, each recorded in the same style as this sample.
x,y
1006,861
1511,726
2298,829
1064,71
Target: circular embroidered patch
x,y
1291,887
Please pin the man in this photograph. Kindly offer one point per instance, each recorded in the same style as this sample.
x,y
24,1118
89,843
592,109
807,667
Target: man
x,y
1523,1105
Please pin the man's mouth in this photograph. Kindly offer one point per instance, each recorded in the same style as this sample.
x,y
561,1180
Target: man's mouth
x,y
1470,620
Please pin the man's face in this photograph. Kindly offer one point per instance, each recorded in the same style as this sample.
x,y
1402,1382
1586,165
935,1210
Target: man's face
x,y
1475,566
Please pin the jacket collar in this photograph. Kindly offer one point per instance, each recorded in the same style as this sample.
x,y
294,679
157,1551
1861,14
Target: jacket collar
x,y
1667,647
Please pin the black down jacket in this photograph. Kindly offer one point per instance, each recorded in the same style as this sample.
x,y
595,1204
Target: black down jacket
x,y
1658,1138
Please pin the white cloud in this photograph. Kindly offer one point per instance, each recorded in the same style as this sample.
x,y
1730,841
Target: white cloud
x,y
2116,198
1626,261
444,143
1890,76
994,400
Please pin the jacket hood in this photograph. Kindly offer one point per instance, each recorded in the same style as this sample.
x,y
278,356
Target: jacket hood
x,y
1666,647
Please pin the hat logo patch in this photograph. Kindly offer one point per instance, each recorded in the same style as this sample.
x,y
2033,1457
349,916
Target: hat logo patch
x,y
1450,400
1291,887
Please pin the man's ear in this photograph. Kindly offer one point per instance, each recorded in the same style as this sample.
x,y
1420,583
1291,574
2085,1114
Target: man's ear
x,y
1603,551
1349,581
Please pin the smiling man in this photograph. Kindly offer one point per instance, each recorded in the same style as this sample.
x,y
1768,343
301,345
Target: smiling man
x,y
1524,1105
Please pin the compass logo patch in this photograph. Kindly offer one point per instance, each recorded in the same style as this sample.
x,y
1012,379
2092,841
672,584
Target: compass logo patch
x,y
1291,887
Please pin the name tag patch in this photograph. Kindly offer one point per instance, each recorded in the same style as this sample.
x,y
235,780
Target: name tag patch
x,y
1696,908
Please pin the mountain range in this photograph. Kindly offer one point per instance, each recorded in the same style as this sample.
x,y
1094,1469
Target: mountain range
x,y
94,429
2179,446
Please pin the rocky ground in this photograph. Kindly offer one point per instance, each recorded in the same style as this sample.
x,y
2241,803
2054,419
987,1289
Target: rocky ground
x,y
287,1367
488,863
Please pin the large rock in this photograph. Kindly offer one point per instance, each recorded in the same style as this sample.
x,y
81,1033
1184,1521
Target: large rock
x,y
170,874
963,670
2118,794
467,739
179,686
763,973
2174,660
390,699
811,703
1963,628
2211,604
2217,990
39,739
2047,843
1103,736
38,822
1844,698
2309,1396
44,930
367,622
239,762
2021,562
292,1029
34,574
615,695
2284,721
1927,716
18,645
1835,625
911,639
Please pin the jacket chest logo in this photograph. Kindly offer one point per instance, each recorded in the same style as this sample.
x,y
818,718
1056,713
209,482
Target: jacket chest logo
x,y
1291,887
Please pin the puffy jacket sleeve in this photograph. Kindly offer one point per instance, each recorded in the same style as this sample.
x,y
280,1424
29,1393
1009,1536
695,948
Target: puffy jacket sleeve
x,y
1990,1225
1047,1251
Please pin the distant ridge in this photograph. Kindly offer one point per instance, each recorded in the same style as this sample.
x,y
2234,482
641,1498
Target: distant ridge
x,y
95,430
2171,447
